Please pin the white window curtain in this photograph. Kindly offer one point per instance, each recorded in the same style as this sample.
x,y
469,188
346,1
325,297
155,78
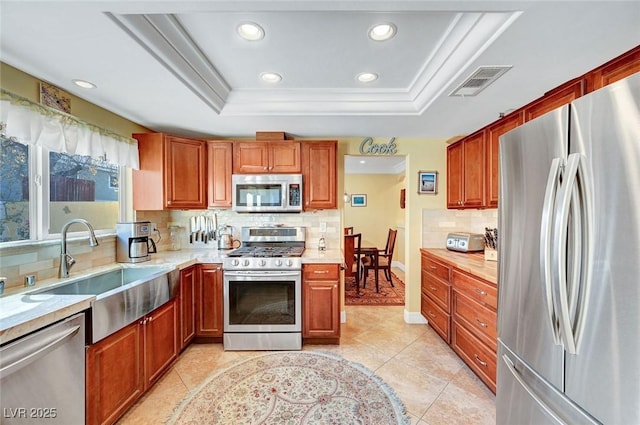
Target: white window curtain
x,y
32,123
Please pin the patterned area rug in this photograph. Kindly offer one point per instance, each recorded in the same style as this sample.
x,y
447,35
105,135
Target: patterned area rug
x,y
388,295
293,388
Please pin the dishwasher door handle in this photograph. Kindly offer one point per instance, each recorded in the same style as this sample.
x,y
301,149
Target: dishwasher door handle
x,y
38,351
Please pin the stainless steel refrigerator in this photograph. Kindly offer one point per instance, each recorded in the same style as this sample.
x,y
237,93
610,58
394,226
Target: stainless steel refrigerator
x,y
569,264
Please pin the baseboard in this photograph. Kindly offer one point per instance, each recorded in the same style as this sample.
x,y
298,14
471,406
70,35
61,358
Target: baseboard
x,y
343,316
414,317
398,265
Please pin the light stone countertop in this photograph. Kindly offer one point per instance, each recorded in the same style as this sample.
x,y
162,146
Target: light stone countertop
x,y
470,262
22,311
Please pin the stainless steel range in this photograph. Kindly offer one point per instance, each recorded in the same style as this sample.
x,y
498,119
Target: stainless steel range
x,y
263,290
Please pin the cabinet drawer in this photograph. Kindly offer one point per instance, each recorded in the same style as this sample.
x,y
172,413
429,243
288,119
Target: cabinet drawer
x,y
478,319
475,354
438,319
436,268
437,290
476,289
321,272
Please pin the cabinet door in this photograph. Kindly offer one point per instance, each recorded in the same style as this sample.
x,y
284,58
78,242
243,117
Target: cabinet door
x,y
209,301
554,99
623,66
114,373
219,162
473,160
185,176
321,301
284,157
187,307
494,131
250,158
160,341
454,175
319,170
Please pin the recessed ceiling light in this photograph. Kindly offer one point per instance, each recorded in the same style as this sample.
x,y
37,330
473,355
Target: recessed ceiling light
x,y
362,161
367,77
270,77
250,31
381,32
84,84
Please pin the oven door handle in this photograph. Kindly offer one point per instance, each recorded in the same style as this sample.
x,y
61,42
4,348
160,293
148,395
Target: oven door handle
x,y
270,274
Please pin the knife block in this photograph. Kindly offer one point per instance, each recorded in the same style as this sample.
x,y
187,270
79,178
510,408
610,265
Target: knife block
x,y
490,254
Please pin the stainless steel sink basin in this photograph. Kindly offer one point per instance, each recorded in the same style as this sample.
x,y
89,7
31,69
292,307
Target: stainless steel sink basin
x,y
122,296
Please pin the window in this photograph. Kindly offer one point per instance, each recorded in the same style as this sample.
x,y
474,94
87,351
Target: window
x,y
41,190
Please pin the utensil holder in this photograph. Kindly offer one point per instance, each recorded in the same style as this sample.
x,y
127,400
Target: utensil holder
x,y
490,254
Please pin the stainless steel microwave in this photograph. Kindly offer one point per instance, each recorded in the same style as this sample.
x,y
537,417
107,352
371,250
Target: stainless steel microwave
x,y
267,193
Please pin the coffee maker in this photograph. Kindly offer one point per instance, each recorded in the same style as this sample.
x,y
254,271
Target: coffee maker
x,y
133,242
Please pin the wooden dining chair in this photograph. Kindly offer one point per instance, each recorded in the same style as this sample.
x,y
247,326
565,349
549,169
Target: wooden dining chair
x,y
353,257
348,230
384,259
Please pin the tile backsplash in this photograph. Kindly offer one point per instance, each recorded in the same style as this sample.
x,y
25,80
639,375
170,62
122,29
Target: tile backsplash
x,y
436,224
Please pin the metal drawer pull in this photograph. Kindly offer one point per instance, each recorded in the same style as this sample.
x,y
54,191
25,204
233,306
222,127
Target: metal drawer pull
x,y
433,267
433,288
321,271
431,314
484,325
483,364
481,292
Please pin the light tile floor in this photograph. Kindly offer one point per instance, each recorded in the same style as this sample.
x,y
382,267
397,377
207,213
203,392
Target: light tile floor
x,y
436,387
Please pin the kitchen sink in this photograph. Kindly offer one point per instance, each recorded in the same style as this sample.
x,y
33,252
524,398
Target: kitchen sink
x,y
123,295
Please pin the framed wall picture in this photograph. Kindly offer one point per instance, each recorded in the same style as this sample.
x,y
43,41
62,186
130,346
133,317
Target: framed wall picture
x,y
358,200
427,182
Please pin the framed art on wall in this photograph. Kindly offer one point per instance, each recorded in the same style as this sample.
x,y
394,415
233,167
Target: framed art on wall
x,y
358,200
427,182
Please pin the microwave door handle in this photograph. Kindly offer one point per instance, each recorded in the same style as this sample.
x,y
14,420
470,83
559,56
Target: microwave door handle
x,y
545,242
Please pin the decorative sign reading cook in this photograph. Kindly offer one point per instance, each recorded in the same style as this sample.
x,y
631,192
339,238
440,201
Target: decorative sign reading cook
x,y
367,147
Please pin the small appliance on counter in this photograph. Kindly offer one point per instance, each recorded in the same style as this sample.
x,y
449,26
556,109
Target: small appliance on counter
x,y
465,242
133,242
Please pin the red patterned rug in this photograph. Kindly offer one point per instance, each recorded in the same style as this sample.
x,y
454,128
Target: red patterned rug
x,y
388,295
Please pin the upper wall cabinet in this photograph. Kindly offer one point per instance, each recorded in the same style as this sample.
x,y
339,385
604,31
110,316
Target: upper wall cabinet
x,y
492,136
266,157
465,172
172,173
219,160
320,175
614,70
554,99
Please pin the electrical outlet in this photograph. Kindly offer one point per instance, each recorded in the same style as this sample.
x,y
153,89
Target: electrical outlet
x,y
323,227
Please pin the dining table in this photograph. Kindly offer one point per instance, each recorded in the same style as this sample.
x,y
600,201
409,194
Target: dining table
x,y
368,249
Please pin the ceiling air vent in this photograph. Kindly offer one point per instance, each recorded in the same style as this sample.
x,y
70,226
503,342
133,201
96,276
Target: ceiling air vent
x,y
479,80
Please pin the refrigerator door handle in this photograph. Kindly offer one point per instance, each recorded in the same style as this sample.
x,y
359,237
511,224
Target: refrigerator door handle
x,y
546,226
511,367
574,198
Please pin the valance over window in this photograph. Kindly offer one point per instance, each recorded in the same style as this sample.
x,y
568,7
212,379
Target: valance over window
x,y
31,123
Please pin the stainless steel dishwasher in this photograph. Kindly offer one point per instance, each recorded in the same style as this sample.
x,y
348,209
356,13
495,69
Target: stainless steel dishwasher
x,y
42,375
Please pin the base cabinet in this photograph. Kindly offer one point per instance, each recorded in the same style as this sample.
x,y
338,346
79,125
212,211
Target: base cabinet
x,y
462,308
209,301
321,302
188,281
121,367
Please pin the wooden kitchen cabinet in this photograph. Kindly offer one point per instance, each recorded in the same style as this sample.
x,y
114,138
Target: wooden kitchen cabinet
x,y
188,282
172,173
209,302
435,301
320,175
267,157
492,138
465,172
121,367
621,67
219,166
321,302
554,99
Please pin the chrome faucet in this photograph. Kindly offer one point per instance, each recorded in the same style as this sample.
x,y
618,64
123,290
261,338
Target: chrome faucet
x,y
67,261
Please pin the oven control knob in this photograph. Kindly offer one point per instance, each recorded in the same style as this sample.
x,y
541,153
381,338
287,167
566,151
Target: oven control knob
x,y
289,263
245,263
235,262
262,263
278,262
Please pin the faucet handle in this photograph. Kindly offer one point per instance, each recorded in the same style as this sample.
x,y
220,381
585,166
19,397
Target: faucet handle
x,y
70,261
2,280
